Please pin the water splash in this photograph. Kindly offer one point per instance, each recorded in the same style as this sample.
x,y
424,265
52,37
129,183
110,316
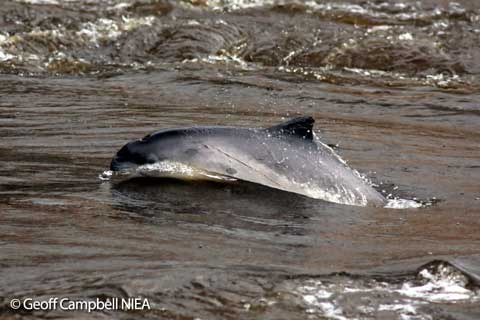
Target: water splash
x,y
166,169
105,175
105,29
398,203
443,283
337,194
436,282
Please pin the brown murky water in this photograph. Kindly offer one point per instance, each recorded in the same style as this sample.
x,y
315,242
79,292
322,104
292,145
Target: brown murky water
x,y
395,84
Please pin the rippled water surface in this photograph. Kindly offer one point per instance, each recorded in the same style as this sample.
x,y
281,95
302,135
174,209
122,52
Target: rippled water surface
x,y
394,85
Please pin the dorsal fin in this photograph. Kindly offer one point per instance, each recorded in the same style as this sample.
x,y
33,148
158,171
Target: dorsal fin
x,y
301,127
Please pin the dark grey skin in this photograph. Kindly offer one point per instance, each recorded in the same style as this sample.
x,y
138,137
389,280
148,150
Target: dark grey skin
x,y
287,157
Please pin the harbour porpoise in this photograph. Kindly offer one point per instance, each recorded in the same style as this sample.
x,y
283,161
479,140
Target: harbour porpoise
x,y
288,156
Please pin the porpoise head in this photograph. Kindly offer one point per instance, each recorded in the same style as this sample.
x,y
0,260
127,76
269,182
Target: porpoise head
x,y
151,149
130,156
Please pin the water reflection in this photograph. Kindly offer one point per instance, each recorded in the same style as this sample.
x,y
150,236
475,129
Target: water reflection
x,y
237,207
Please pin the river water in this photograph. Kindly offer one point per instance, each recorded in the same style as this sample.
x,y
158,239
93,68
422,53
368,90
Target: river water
x,y
394,85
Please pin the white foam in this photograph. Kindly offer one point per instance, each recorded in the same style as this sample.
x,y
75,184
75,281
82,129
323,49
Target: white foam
x,y
313,292
407,36
5,56
397,307
402,204
445,285
332,311
237,4
40,1
108,29
345,7
105,175
5,40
